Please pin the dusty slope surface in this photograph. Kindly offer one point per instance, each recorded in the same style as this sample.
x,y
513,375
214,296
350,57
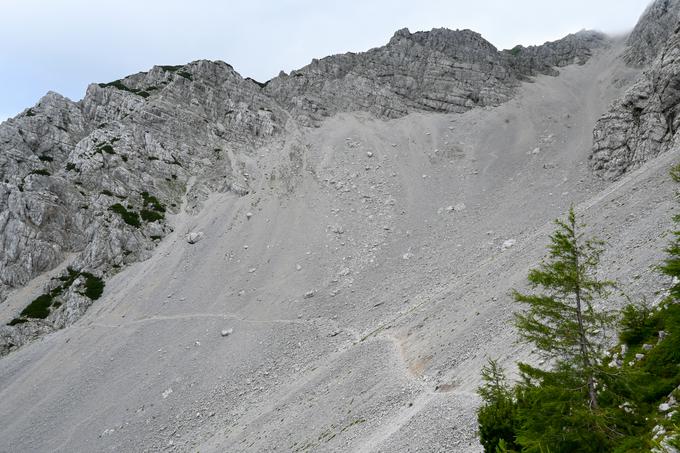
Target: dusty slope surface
x,y
361,306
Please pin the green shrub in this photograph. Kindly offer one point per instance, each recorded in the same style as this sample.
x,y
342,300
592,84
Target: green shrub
x,y
94,286
45,158
41,171
129,217
637,324
152,202
30,112
118,84
70,166
515,50
39,308
150,216
107,149
108,193
185,74
171,68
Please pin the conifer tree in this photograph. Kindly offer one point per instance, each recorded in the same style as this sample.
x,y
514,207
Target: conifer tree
x,y
671,265
561,319
497,417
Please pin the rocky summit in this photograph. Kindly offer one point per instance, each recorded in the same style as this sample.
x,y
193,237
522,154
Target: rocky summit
x,y
191,260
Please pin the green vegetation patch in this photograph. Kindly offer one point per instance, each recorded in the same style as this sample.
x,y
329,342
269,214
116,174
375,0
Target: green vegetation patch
x,y
151,216
45,158
152,202
185,74
171,68
516,50
129,217
118,84
41,171
152,211
94,286
41,306
105,147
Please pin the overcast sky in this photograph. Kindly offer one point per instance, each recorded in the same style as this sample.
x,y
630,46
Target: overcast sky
x,y
62,45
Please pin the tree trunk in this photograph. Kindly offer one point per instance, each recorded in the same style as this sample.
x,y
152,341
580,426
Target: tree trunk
x,y
583,346
583,341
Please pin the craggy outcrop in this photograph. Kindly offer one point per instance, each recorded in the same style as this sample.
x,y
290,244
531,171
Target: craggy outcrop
x,y
440,71
93,181
652,32
644,122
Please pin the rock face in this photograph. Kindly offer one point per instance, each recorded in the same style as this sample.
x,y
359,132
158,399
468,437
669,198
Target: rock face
x,y
93,181
652,32
644,122
440,70
572,49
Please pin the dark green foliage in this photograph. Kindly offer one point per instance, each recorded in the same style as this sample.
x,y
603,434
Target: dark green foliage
x,y
637,324
115,84
105,147
155,237
671,266
555,414
552,410
152,158
39,308
94,286
171,68
125,158
118,84
152,202
153,209
70,166
561,320
150,216
185,74
45,158
68,279
498,419
30,112
515,50
106,192
129,217
41,171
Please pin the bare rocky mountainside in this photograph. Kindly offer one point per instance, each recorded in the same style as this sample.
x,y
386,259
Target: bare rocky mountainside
x,y
194,261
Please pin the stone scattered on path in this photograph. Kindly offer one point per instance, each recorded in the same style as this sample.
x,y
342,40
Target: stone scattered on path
x,y
194,237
